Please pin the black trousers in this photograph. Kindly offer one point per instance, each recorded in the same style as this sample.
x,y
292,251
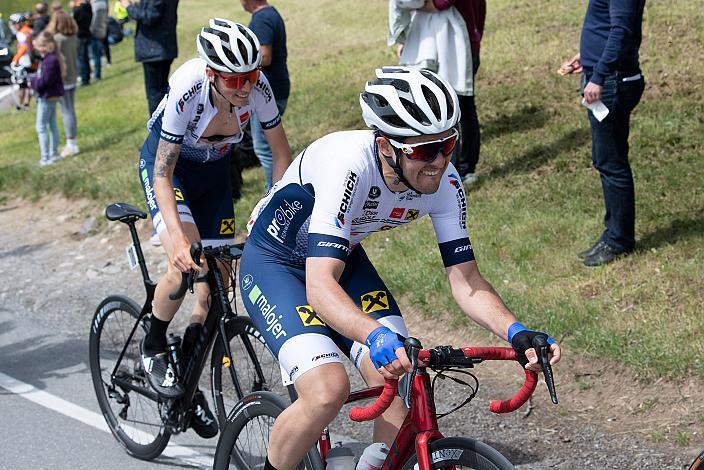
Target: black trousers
x,y
467,155
156,81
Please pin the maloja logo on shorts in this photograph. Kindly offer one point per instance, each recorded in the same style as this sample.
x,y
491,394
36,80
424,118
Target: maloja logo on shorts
x,y
308,316
259,300
374,300
247,282
148,190
227,227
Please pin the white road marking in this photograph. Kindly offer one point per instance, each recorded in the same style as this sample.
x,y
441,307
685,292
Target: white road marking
x,y
93,419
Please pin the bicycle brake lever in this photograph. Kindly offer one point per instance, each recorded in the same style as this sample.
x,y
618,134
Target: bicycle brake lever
x,y
542,348
405,384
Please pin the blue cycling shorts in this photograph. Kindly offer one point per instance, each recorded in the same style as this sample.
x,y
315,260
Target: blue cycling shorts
x,y
274,294
202,191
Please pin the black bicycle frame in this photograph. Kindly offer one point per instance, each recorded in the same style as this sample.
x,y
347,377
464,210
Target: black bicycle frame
x,y
195,366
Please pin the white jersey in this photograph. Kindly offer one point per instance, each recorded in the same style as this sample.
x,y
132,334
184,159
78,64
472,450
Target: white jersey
x,y
333,196
186,110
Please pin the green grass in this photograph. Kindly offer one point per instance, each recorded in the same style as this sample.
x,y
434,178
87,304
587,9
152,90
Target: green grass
x,y
539,201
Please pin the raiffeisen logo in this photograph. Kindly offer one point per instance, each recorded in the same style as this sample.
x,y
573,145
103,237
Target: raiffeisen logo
x,y
260,301
151,202
283,215
350,184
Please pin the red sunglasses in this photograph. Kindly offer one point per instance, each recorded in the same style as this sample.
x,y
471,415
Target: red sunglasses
x,y
428,151
239,80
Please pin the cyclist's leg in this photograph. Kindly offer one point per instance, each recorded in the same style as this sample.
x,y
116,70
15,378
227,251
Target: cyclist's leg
x,y
209,194
363,284
275,297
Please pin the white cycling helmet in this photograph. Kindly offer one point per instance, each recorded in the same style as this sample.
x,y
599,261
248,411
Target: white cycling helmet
x,y
229,47
405,102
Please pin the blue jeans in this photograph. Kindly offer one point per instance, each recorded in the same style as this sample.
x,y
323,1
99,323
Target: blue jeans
x,y
96,53
261,146
83,64
610,157
46,119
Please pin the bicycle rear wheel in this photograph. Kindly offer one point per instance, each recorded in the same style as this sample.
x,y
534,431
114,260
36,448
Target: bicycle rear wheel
x,y
461,452
128,402
255,367
244,440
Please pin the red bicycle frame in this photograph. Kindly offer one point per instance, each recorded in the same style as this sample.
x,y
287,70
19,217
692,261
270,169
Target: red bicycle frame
x,y
420,427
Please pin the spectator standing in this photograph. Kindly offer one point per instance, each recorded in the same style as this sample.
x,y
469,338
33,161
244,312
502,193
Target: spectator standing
x,y
22,62
98,33
64,29
83,14
454,36
49,87
56,5
41,18
154,44
609,61
269,27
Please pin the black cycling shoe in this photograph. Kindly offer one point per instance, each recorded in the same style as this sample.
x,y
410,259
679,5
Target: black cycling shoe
x,y
161,374
203,422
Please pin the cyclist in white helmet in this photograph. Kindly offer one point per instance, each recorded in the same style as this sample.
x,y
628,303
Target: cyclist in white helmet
x,y
306,281
185,166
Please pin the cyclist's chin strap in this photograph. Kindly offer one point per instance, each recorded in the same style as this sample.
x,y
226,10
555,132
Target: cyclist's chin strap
x,y
395,166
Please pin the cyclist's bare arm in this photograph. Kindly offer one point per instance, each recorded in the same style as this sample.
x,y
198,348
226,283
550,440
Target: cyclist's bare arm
x,y
166,156
337,309
332,303
280,151
478,299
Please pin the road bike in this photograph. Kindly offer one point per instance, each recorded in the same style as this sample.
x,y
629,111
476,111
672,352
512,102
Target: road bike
x,y
419,443
141,420
698,463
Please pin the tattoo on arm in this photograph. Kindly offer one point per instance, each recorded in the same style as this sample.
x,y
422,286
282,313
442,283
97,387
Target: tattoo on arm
x,y
166,156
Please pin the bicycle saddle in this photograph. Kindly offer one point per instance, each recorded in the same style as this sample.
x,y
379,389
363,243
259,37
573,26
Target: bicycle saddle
x,y
124,212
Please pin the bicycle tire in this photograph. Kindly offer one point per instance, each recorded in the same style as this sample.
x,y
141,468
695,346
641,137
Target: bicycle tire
x,y
462,452
240,332
138,426
244,439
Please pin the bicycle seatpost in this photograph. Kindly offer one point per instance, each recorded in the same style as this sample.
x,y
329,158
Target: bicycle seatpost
x,y
540,343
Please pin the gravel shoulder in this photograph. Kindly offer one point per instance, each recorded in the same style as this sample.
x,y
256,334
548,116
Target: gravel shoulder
x,y
60,258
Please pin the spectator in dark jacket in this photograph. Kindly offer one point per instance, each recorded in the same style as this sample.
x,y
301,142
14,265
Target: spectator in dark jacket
x,y
154,44
83,14
41,19
49,87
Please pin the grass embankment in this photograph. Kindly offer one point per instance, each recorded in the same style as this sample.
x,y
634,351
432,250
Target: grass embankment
x,y
539,201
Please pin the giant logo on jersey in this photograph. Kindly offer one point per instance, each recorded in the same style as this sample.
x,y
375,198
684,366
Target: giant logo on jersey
x,y
461,199
283,215
259,301
374,300
350,188
187,96
308,316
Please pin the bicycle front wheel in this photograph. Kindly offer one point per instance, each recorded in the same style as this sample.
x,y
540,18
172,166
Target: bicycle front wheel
x,y
256,369
461,452
127,401
244,440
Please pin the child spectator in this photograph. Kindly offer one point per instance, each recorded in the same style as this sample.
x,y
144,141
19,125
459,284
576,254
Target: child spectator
x,y
49,87
64,29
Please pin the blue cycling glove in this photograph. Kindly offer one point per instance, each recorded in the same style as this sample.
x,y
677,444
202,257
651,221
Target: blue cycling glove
x,y
383,343
523,339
